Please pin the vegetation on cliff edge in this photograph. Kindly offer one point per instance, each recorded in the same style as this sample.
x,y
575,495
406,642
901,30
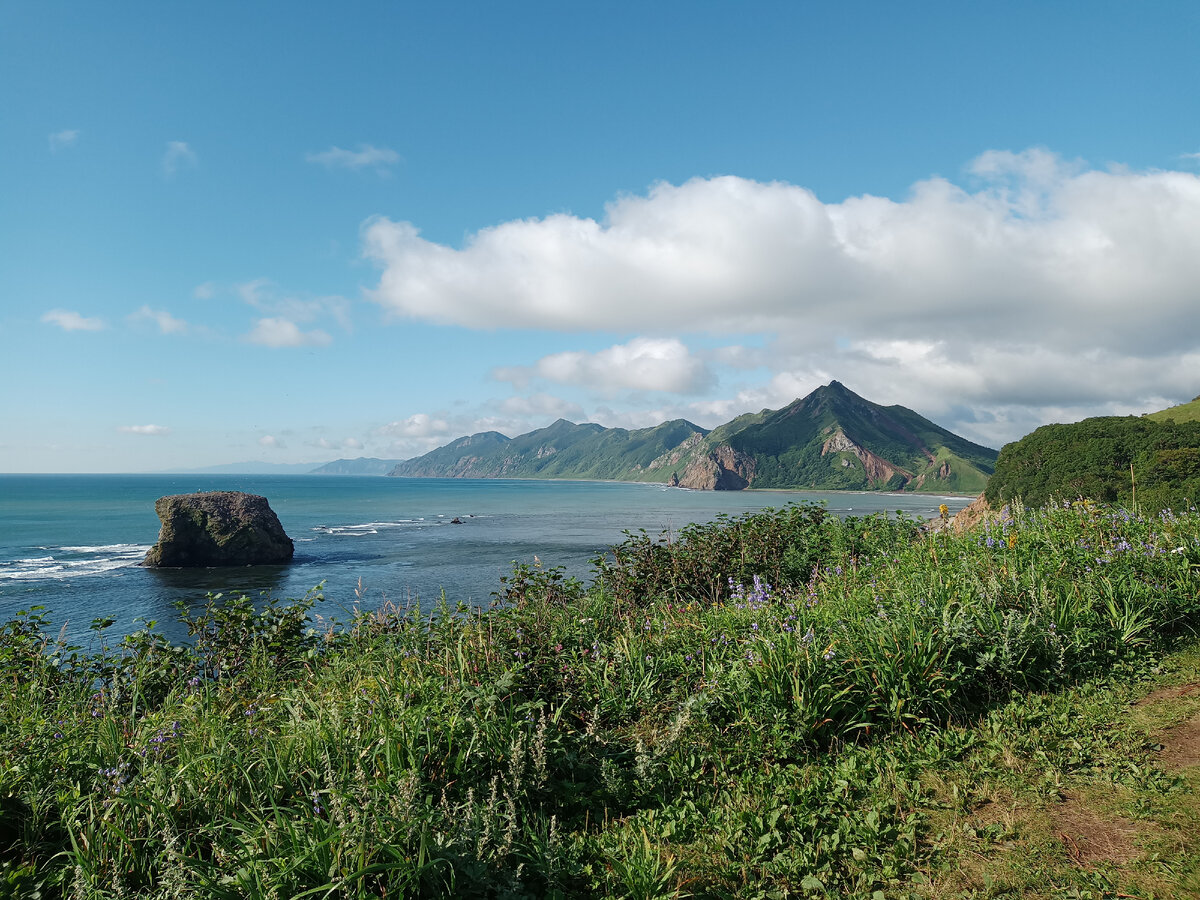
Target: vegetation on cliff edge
x,y
861,711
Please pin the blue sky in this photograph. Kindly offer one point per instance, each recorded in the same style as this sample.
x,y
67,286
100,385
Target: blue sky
x,y
298,232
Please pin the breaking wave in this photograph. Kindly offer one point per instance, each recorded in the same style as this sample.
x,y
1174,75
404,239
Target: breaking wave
x,y
72,562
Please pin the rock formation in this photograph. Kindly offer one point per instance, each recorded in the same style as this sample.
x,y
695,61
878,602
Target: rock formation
x,y
218,528
723,469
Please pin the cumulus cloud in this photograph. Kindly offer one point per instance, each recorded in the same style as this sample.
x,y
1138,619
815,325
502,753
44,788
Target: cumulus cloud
x,y
1038,242
177,156
60,140
643,364
277,332
167,323
271,442
367,156
68,320
152,430
1078,283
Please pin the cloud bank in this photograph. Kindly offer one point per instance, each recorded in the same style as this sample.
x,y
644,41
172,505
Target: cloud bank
x,y
1038,283
643,364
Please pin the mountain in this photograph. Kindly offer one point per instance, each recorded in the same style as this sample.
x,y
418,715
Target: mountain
x,y
832,439
561,450
363,465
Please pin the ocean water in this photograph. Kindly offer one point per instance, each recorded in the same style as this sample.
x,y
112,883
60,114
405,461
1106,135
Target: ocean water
x,y
72,543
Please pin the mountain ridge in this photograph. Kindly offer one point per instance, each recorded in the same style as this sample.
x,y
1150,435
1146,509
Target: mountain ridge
x,y
831,439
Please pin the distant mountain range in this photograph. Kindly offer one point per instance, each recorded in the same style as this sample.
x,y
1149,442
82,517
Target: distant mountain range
x,y
832,439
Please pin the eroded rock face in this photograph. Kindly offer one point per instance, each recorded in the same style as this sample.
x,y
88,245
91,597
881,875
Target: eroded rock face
x,y
218,528
724,469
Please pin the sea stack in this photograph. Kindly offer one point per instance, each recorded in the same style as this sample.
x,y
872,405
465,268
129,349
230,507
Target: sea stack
x,y
218,528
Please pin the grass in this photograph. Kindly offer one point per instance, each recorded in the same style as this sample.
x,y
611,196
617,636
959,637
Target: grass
x,y
1184,412
780,705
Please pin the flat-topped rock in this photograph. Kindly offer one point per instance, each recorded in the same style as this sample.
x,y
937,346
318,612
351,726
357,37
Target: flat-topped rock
x,y
218,528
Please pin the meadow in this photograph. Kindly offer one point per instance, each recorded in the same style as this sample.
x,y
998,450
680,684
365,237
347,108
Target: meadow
x,y
781,704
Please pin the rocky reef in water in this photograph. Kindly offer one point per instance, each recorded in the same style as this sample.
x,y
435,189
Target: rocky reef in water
x,y
218,528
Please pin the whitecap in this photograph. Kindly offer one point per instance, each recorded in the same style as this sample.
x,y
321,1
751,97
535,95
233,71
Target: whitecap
x,y
108,548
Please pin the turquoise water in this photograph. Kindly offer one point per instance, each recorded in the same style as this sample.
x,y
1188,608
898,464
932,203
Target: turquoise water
x,y
71,543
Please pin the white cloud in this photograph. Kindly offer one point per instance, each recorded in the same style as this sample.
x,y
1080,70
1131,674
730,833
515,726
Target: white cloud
x,y
419,425
643,364
72,321
167,323
205,291
1061,247
275,332
152,430
60,140
538,409
263,294
1042,279
344,444
367,156
177,156
271,442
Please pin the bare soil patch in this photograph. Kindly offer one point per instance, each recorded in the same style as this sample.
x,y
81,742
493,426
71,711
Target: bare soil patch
x,y
1180,742
1090,837
1181,745
1168,693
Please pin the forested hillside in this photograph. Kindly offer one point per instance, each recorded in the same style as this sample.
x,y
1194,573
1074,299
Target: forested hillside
x,y
1109,459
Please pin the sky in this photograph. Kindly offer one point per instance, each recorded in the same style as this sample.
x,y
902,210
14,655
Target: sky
x,y
296,232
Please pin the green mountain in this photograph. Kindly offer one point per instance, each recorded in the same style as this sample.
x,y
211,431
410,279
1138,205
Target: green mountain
x,y
561,450
832,439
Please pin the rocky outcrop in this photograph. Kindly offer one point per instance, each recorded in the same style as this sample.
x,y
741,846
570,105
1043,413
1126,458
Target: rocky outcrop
x,y
878,469
723,469
973,514
218,528
673,456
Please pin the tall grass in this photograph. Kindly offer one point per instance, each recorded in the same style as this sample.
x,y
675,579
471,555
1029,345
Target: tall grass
x,y
703,719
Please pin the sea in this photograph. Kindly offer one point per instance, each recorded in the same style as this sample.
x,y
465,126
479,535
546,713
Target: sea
x,y
71,544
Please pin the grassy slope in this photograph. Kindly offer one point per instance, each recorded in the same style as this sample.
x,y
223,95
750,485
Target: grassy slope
x,y
942,718
1185,412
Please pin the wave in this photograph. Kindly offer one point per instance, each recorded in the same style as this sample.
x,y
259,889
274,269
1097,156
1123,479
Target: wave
x,y
125,549
369,527
73,562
